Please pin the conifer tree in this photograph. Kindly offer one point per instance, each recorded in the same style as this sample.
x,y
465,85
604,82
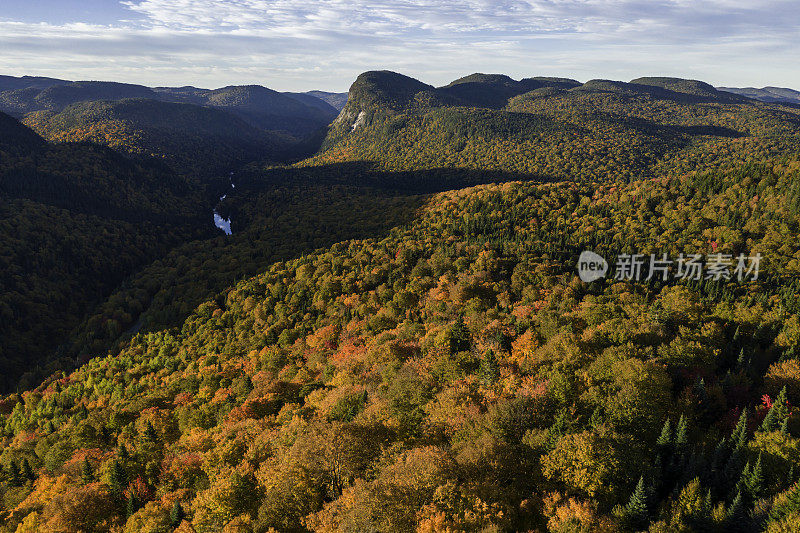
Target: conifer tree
x,y
754,482
15,479
131,506
681,437
87,474
735,512
739,435
176,515
786,504
150,434
27,471
665,438
489,370
636,509
117,477
700,388
777,414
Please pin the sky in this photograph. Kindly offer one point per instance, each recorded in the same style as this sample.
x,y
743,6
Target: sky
x,y
303,44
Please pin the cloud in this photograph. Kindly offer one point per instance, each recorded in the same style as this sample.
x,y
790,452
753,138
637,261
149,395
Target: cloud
x,y
303,44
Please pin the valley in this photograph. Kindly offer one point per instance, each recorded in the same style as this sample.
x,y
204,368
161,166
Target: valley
x,y
247,310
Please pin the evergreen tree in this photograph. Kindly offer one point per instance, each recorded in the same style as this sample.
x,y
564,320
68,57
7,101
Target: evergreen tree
x,y
739,435
87,474
681,437
597,417
741,360
459,336
131,506
665,438
27,471
700,389
117,477
14,476
636,509
150,434
754,482
176,515
489,369
736,512
786,504
777,414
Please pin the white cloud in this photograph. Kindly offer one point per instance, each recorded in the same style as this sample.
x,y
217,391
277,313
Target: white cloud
x,y
300,44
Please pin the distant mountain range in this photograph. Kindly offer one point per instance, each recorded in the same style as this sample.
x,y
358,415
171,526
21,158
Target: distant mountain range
x,y
337,100
766,94
297,114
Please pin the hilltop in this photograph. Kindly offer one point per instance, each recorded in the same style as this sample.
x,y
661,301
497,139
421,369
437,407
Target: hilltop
x,y
766,94
553,128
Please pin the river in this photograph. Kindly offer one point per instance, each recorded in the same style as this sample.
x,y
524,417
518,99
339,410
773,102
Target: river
x,y
224,223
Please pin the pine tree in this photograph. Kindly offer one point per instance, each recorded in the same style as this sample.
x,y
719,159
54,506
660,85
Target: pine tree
x,y
735,513
743,477
27,471
131,506
489,370
777,414
87,474
636,509
740,361
739,435
176,515
459,336
681,437
754,482
117,477
700,389
150,434
597,418
15,478
665,438
786,503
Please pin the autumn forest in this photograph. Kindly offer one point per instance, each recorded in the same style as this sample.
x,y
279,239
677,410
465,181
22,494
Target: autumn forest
x,y
394,336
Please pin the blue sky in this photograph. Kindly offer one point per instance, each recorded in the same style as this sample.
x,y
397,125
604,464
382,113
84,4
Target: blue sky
x,y
303,45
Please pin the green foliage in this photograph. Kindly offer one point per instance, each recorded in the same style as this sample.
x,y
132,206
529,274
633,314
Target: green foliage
x,y
363,359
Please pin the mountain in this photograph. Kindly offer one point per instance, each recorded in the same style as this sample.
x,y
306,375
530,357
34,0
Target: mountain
x,y
541,128
494,90
766,94
56,97
314,101
191,138
337,100
679,85
10,83
16,140
397,336
77,220
258,106
270,110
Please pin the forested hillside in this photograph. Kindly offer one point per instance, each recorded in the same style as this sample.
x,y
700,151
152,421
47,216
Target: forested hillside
x,y
76,220
192,139
395,337
600,130
262,108
453,375
767,94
